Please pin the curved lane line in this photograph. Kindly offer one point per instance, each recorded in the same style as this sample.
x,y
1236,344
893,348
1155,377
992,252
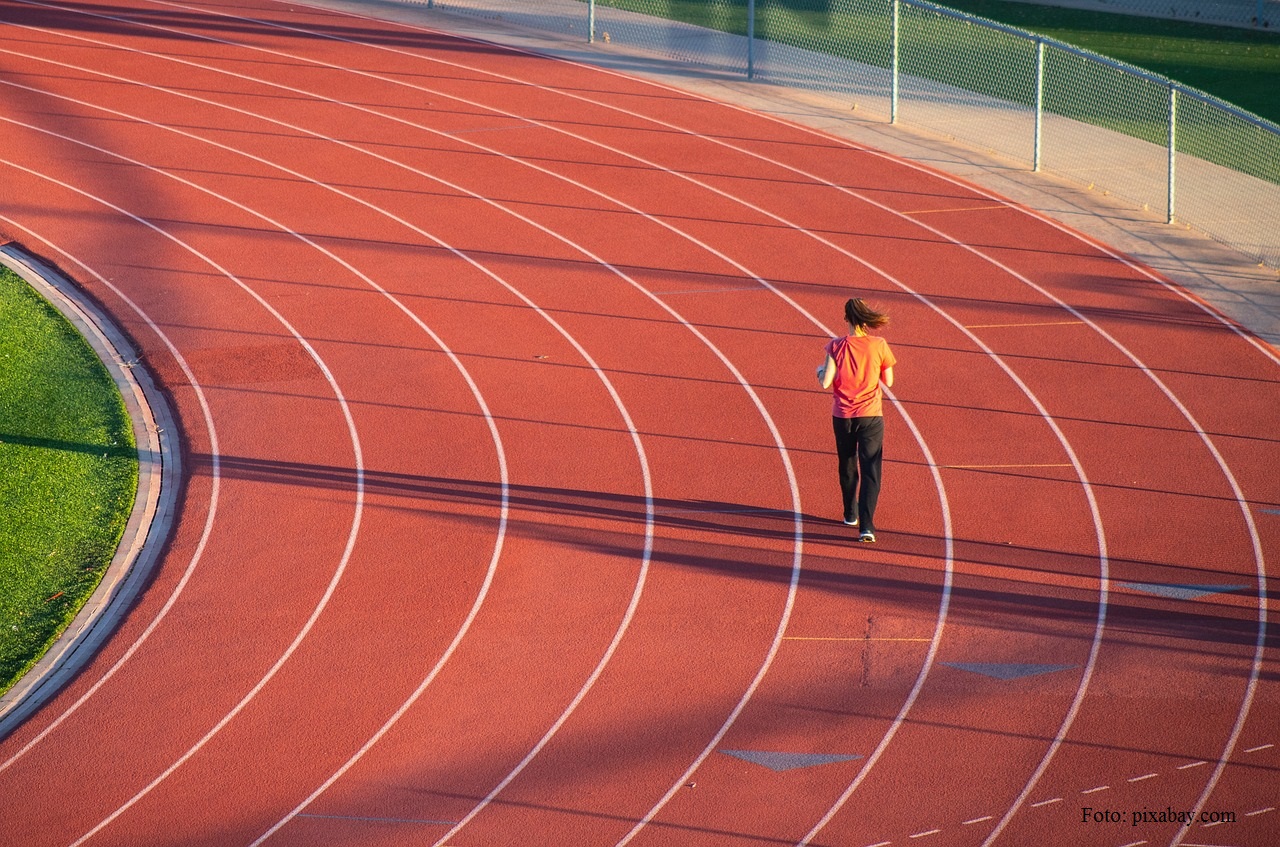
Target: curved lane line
x,y
359,501
1241,500
215,476
1043,412
1213,450
635,599
782,449
505,487
947,584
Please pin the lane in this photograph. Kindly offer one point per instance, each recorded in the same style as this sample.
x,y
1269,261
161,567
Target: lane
x,y
671,211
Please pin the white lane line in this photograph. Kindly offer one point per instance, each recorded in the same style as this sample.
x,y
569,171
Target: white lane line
x,y
1104,579
498,548
426,682
1046,802
215,476
982,819
1258,556
1051,423
357,458
797,511
1260,563
1259,748
1191,765
1141,778
1096,790
793,484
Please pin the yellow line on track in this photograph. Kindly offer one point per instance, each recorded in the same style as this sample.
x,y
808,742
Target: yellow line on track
x,y
1043,323
988,467
956,209
837,638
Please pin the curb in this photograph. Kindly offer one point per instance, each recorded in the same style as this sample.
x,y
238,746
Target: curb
x,y
154,505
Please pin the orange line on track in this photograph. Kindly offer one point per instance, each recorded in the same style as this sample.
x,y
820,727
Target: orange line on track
x,y
990,467
1044,323
955,209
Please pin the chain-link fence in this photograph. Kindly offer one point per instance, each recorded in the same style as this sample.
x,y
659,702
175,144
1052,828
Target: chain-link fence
x,y
1042,104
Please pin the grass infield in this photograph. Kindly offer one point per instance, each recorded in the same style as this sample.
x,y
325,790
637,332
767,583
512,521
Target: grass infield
x,y
68,474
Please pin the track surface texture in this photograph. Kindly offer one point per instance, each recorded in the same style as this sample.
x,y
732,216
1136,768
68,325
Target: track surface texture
x,y
512,514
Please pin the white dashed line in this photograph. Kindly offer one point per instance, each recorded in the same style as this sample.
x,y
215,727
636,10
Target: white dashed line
x,y
1096,790
1191,765
1141,778
1046,802
978,820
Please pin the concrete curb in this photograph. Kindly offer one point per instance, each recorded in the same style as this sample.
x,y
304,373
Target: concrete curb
x,y
154,506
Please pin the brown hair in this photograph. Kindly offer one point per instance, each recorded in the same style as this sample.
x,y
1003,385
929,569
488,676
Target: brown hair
x,y
858,313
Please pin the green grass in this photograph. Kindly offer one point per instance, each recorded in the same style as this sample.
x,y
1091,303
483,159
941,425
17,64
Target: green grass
x,y
68,474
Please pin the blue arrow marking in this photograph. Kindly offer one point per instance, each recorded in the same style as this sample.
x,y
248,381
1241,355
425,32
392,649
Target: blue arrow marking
x,y
1006,670
1180,592
787,761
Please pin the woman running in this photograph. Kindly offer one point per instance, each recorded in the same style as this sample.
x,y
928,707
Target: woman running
x,y
856,367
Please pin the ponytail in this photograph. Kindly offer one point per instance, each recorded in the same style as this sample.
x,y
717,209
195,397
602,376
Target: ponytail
x,y
859,314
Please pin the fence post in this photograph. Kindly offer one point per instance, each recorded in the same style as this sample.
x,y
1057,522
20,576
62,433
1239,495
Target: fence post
x,y
1039,131
893,77
591,21
751,39
1173,150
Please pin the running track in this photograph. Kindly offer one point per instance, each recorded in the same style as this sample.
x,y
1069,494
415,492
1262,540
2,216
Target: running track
x,y
511,515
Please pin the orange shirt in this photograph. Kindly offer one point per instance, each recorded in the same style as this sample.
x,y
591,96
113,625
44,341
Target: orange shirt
x,y
856,391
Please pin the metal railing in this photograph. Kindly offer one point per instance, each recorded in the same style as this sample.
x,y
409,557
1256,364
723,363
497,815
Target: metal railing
x,y
1045,105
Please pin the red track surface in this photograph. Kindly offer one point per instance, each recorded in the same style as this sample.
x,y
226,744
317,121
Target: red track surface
x,y
512,504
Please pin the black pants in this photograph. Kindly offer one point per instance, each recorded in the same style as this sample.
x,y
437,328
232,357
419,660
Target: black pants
x,y
858,448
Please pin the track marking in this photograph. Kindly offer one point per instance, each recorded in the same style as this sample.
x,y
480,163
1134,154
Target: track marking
x,y
911,425
357,461
1039,323
215,475
1001,467
989,207
982,819
1258,812
750,391
1191,765
378,820
1259,748
1046,802
1096,790
1145,776
1258,557
843,638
